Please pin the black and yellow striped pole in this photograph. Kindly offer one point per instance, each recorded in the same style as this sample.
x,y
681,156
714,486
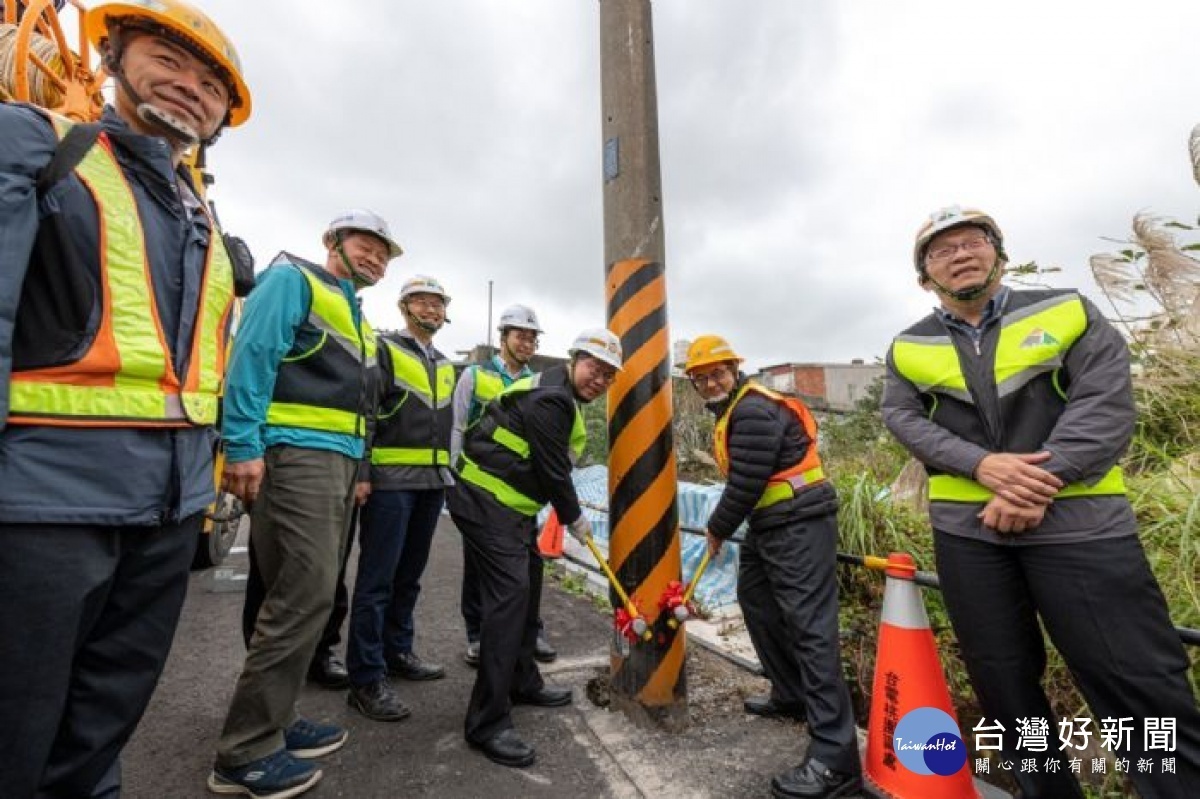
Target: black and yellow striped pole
x,y
648,678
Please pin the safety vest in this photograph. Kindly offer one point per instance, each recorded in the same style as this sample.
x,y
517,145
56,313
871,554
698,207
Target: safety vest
x,y
490,379
326,379
496,454
415,429
126,377
785,484
1037,330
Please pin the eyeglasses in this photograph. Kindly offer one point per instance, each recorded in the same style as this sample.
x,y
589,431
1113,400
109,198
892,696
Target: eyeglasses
x,y
526,337
428,302
601,371
948,251
702,379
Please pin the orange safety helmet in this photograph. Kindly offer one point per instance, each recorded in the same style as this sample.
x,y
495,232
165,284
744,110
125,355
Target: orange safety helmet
x,y
709,349
187,25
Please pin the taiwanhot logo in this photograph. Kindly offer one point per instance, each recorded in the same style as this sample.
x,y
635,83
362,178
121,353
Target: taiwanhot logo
x,y
927,741
1038,338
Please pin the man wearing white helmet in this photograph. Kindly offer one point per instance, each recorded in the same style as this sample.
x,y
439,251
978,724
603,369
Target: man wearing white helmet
x,y
298,394
410,470
478,385
515,459
1020,405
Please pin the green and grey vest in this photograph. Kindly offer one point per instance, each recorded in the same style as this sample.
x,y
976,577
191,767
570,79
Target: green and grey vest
x,y
1028,381
496,454
326,379
414,424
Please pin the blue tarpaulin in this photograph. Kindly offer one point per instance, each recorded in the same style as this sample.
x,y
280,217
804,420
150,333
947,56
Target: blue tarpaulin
x,y
718,586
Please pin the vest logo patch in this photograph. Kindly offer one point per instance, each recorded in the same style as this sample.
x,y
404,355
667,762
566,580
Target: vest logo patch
x,y
1038,338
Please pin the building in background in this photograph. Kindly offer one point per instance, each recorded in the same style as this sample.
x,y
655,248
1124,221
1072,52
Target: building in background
x,y
823,386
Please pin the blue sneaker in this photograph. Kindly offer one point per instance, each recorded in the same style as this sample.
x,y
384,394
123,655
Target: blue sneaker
x,y
309,739
276,776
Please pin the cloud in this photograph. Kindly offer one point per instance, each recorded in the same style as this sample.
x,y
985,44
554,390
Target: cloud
x,y
801,145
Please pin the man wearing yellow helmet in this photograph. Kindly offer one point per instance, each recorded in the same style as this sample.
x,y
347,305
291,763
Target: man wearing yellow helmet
x,y
115,289
1019,403
765,444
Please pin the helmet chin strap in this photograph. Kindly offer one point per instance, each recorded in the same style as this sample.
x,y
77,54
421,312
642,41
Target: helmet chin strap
x,y
361,280
972,293
171,126
428,327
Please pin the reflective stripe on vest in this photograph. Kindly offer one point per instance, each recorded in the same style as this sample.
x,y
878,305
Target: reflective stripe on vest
x,y
331,314
431,404
785,484
126,378
1033,341
952,488
505,493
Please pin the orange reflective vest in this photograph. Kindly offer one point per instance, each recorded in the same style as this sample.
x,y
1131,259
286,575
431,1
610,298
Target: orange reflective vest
x,y
126,378
787,483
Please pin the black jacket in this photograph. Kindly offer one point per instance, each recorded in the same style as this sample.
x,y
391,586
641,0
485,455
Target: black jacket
x,y
764,438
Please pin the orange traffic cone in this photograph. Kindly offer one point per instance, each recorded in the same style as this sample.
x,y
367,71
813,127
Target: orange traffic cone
x,y
550,540
915,748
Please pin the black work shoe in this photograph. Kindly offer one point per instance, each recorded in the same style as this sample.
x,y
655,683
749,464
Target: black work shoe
x,y
770,708
812,779
407,666
507,749
548,696
327,670
471,656
377,701
542,651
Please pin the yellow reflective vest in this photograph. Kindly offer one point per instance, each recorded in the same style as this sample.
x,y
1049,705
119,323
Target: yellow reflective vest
x,y
1027,378
326,380
496,454
414,428
126,378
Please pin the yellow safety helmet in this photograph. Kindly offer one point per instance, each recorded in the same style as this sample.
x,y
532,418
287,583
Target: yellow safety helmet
x,y
709,349
187,25
953,216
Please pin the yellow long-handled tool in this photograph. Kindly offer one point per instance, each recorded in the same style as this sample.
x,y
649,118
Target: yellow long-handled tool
x,y
682,611
640,628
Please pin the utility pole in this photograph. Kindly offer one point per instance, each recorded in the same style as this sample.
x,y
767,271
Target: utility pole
x,y
648,680
489,328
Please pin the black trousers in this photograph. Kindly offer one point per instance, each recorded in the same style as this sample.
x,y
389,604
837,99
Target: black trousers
x,y
256,592
1103,610
470,604
510,588
787,587
87,616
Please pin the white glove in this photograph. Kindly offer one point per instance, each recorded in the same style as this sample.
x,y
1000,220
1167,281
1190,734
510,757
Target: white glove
x,y
580,529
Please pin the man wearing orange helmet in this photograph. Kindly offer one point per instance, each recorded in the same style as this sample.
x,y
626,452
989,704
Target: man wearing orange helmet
x,y
1019,403
115,289
765,444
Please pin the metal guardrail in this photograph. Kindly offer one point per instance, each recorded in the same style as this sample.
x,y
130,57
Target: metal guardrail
x,y
926,579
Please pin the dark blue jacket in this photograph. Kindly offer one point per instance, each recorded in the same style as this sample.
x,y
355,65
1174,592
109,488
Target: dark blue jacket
x,y
99,476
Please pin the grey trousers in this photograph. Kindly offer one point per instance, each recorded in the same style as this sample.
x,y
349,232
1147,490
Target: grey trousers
x,y
299,524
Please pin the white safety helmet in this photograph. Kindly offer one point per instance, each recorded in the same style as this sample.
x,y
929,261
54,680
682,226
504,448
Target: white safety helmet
x,y
953,216
423,284
358,219
519,316
600,343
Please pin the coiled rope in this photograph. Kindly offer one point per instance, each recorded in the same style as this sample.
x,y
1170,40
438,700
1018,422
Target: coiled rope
x,y
43,92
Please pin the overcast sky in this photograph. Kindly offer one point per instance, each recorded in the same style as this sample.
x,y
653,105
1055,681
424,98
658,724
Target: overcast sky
x,y
802,143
